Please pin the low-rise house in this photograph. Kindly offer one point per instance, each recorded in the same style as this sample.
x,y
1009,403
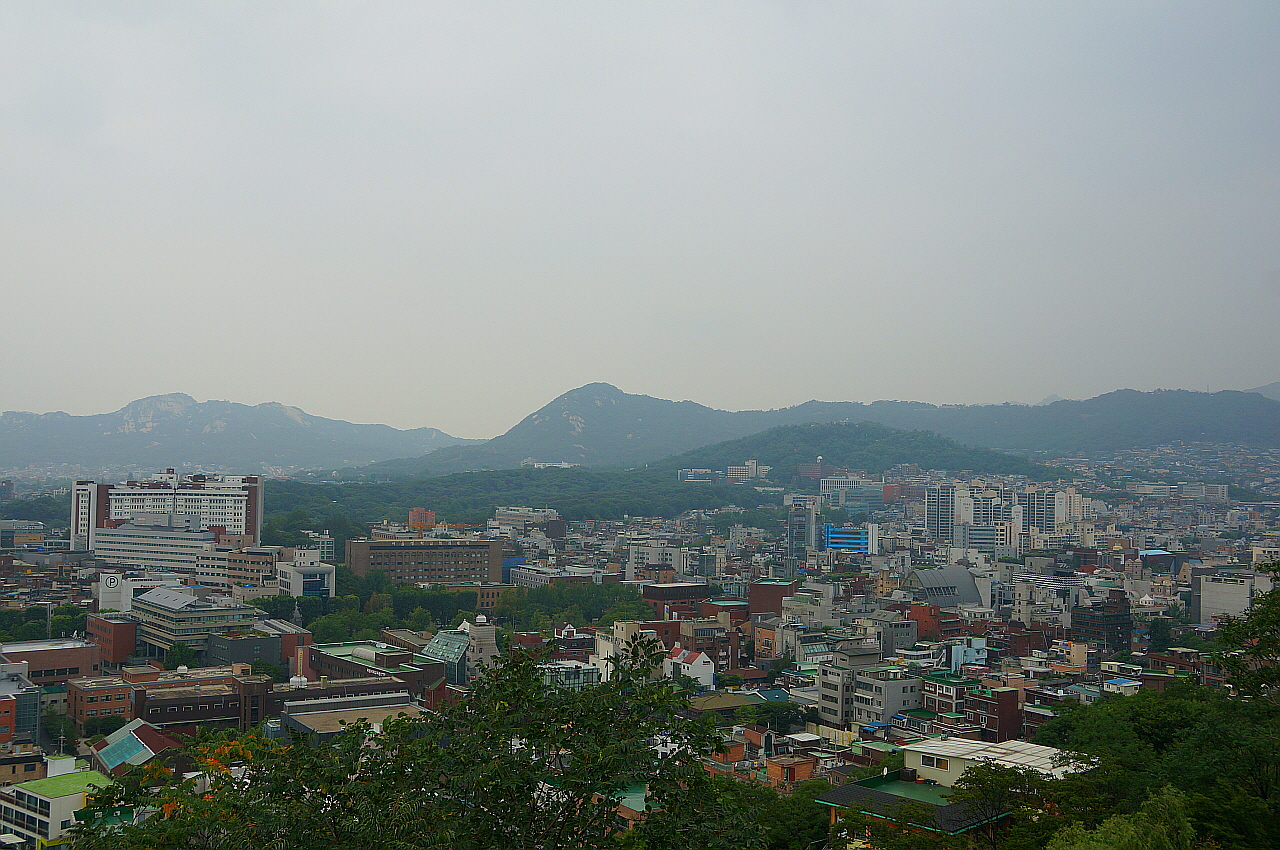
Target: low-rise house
x,y
130,746
785,772
41,811
944,760
932,767
687,662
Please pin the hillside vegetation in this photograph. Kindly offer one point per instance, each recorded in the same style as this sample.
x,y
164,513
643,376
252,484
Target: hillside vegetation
x,y
865,445
581,493
599,425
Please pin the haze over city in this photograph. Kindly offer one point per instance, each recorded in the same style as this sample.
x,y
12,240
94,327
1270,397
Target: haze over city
x,y
448,214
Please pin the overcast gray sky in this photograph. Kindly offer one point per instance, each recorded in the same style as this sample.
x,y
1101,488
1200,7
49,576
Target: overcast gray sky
x,y
447,214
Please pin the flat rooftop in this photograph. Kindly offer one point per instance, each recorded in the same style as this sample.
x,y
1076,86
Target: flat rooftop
x,y
326,722
66,784
347,652
36,645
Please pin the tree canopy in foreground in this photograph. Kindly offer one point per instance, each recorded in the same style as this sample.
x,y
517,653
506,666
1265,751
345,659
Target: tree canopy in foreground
x,y
517,764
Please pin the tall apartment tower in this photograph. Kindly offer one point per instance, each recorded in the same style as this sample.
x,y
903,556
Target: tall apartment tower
x,y
972,511
802,527
1044,510
940,511
230,502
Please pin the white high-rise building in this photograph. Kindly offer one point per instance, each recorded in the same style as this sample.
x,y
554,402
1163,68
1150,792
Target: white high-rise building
x,y
154,542
232,503
990,514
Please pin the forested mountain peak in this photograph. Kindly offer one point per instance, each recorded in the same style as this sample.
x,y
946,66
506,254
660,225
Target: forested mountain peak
x,y
600,425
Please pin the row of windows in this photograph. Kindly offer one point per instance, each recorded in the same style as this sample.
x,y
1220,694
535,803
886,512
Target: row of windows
x,y
174,708
31,802
30,823
61,671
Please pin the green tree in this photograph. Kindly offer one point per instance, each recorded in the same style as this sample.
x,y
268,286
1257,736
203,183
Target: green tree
x,y
513,765
994,792
781,716
1161,824
61,726
266,668
103,725
179,654
1159,633
1252,659
795,821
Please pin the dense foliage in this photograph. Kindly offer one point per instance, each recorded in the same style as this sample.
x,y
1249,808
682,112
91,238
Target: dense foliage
x,y
864,445
36,622
54,512
1220,753
541,608
469,497
371,604
516,764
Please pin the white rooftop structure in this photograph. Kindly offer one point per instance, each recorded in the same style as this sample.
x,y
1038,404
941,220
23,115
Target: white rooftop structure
x,y
1047,760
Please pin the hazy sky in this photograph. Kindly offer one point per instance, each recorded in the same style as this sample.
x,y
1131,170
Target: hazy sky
x,y
448,214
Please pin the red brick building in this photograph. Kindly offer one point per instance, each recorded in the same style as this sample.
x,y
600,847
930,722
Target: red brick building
x,y
678,599
93,697
739,610
933,623
116,636
765,596
946,693
56,661
996,712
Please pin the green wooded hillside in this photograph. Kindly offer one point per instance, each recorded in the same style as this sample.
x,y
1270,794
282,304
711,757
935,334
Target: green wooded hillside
x,y
860,445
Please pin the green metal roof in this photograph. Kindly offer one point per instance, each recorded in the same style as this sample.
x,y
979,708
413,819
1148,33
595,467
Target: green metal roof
x,y
921,791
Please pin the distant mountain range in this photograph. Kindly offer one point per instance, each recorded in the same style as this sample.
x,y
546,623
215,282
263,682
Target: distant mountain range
x,y
174,429
1270,390
599,425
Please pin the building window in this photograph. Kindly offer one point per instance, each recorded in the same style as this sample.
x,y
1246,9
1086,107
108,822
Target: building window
x,y
936,763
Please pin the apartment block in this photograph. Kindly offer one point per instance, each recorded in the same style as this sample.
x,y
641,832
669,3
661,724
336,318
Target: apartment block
x,y
428,560
232,503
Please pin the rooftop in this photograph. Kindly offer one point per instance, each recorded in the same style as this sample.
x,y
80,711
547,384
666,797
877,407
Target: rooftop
x,y
325,722
1046,760
66,784
34,645
922,791
347,652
